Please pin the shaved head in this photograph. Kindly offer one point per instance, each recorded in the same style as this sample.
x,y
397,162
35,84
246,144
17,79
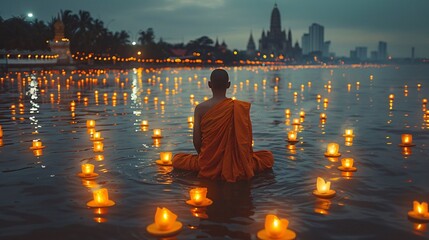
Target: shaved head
x,y
219,79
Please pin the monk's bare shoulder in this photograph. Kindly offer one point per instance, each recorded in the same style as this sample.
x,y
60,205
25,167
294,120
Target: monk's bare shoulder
x,y
203,107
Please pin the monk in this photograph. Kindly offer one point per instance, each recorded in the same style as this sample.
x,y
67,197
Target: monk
x,y
222,137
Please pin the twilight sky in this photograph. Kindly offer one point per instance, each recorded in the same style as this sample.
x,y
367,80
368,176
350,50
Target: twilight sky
x,y
348,23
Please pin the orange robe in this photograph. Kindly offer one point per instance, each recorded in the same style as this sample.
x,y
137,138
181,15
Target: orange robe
x,y
226,149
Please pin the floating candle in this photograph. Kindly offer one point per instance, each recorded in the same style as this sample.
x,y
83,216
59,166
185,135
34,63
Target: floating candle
x,y
87,171
96,137
296,121
419,212
144,123
407,140
198,198
347,165
101,199
190,119
37,144
348,133
165,159
391,97
323,189
332,150
276,228
98,147
323,116
90,123
165,223
292,137
302,114
157,133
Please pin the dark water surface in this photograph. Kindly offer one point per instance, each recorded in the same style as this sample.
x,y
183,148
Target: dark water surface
x,y
42,198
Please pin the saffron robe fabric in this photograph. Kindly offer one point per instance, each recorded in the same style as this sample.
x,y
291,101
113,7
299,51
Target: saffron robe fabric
x,y
226,149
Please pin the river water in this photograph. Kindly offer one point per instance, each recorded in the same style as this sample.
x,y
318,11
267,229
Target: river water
x,y
42,198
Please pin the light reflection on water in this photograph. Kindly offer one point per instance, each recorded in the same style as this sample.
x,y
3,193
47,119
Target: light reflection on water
x,y
42,184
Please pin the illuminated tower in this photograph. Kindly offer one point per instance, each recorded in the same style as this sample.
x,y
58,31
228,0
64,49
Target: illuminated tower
x,y
60,45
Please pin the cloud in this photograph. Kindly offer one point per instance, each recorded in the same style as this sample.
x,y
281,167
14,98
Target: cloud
x,y
174,5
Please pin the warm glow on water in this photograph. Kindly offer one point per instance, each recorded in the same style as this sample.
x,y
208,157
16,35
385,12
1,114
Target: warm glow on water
x,y
42,196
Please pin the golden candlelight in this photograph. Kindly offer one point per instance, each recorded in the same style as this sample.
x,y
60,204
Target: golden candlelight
x,y
157,133
347,165
96,136
144,123
296,121
165,158
302,114
190,119
198,197
332,150
99,157
87,171
90,123
391,97
165,223
323,116
292,137
419,212
90,131
37,152
98,147
287,111
348,141
424,101
276,228
323,189
157,142
407,151
37,144
100,199
348,133
191,96
407,140
1,132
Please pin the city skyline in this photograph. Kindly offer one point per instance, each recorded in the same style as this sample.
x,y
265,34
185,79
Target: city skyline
x,y
346,25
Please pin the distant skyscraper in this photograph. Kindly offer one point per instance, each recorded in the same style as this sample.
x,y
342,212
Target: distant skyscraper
x,y
361,53
305,43
382,51
326,46
317,37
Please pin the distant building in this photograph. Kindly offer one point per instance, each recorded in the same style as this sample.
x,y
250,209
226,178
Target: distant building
x,y
325,50
275,41
412,53
374,56
360,53
317,40
60,45
382,51
305,43
251,47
